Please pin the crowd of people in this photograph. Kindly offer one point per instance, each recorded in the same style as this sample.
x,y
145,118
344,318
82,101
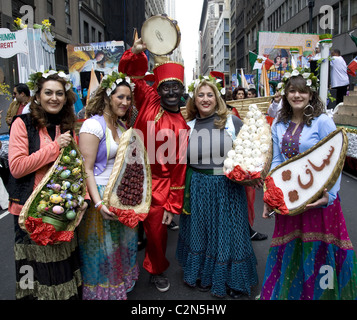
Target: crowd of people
x,y
214,247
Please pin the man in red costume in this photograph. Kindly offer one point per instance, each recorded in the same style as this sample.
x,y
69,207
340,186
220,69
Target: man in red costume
x,y
165,136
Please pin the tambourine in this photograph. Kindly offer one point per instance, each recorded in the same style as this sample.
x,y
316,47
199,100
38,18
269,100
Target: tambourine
x,y
161,34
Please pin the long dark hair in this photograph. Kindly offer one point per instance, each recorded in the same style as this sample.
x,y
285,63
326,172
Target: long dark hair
x,y
97,104
286,112
67,114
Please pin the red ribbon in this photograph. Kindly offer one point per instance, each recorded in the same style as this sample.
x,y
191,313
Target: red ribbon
x,y
128,217
274,197
239,174
45,234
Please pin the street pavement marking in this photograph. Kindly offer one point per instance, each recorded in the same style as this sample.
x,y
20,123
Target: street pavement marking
x,y
4,214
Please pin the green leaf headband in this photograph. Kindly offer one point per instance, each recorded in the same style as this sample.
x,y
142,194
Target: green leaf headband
x,y
194,84
37,76
110,82
311,80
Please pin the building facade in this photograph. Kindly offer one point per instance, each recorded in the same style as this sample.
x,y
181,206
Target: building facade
x,y
121,18
221,43
211,12
170,10
293,16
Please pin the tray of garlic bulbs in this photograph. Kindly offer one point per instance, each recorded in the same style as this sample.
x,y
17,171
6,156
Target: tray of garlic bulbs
x,y
251,156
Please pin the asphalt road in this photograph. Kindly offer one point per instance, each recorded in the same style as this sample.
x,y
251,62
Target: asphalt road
x,y
144,290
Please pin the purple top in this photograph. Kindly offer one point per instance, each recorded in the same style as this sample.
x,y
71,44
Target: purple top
x,y
291,142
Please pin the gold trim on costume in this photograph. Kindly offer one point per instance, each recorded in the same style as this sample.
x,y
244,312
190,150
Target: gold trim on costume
x,y
177,188
170,79
159,115
166,62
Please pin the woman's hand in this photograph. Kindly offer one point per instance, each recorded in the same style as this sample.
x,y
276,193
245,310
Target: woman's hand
x,y
277,97
64,140
319,203
106,214
267,211
259,184
81,212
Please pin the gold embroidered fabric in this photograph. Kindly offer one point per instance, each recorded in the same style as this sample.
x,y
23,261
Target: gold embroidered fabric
x,y
312,236
159,115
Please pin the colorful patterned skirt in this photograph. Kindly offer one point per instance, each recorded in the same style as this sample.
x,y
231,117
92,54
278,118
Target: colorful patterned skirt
x,y
108,252
49,272
311,258
214,243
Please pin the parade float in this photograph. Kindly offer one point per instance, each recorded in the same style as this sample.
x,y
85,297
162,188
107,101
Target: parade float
x,y
41,47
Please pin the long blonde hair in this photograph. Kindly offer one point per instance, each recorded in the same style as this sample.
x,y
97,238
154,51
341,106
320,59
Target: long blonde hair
x,y
221,108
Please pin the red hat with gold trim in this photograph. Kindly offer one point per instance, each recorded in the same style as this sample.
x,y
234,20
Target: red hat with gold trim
x,y
169,71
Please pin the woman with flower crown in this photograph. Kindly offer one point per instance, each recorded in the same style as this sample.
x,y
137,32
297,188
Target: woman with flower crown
x,y
50,272
307,245
214,246
107,247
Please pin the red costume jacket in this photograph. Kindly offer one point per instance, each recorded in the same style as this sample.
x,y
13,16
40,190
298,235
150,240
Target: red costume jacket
x,y
165,137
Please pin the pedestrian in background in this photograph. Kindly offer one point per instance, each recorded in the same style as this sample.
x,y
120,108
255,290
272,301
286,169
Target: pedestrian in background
x,y
252,93
21,96
339,77
318,237
214,247
35,143
108,248
239,93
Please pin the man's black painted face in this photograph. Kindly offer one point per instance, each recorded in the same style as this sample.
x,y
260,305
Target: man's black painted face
x,y
170,93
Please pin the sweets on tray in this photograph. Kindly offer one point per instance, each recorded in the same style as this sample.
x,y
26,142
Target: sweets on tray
x,y
250,158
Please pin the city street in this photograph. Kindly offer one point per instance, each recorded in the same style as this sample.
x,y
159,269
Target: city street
x,y
144,290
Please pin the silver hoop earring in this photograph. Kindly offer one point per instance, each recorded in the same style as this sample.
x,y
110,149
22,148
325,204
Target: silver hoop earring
x,y
309,106
38,103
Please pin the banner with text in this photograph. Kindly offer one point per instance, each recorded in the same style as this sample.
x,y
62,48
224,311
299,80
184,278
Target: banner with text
x,y
12,43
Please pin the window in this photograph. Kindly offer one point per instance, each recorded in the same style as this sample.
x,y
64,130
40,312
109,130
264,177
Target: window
x,y
93,34
67,12
86,32
99,7
336,22
344,16
353,15
50,6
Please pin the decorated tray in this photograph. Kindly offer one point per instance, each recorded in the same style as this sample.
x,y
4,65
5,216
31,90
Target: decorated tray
x,y
50,214
128,193
302,179
250,159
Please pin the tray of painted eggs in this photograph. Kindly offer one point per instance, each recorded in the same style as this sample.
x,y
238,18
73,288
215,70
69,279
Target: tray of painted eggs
x,y
251,156
59,195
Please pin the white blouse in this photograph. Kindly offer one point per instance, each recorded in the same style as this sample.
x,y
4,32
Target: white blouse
x,y
93,126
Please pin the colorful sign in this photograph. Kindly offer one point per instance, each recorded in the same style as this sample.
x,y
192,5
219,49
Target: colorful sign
x,y
12,43
277,47
103,57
